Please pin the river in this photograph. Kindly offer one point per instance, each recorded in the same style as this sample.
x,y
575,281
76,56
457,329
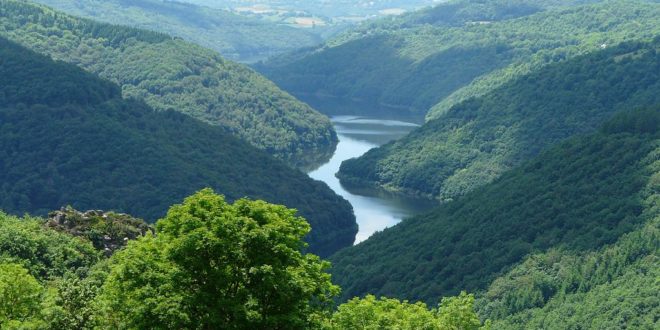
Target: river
x,y
374,210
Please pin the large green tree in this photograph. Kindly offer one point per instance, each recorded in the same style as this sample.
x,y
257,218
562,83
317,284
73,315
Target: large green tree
x,y
217,265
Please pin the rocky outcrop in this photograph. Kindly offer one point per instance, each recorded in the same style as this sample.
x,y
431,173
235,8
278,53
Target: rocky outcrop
x,y
108,231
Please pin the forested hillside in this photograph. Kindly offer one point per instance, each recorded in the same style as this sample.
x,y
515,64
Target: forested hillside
x,y
616,286
408,65
67,137
577,197
170,74
235,37
481,138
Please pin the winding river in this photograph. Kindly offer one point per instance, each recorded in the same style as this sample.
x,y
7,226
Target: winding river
x,y
374,210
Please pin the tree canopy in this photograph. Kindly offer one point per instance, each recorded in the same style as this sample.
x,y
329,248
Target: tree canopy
x,y
370,313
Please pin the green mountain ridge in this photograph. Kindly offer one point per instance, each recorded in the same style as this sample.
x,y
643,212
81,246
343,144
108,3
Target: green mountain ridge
x,y
481,138
235,37
578,196
168,73
408,65
456,13
68,138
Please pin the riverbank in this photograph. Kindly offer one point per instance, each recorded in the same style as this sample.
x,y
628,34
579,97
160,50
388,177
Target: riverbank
x,y
374,209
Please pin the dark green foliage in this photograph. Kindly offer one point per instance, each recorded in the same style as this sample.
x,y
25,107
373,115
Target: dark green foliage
x,y
235,37
19,86
409,64
121,155
481,138
580,195
615,286
170,74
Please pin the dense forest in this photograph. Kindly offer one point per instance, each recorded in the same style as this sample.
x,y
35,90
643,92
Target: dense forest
x,y
235,37
407,65
208,264
67,137
170,74
575,198
481,138
615,286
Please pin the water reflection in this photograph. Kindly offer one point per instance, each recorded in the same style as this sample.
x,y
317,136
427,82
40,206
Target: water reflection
x,y
374,210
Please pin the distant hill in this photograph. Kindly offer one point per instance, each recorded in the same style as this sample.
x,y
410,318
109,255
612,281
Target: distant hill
x,y
236,37
168,73
335,12
407,65
478,140
576,197
68,138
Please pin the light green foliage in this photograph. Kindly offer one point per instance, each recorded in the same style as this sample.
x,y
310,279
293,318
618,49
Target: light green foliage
x,y
170,74
219,265
68,138
578,196
235,37
46,254
457,313
20,297
371,313
71,301
65,265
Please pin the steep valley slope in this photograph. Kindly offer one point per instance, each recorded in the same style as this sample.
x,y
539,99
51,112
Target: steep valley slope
x,y
69,138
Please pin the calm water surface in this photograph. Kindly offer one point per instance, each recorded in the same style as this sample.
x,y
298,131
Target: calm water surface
x,y
375,210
